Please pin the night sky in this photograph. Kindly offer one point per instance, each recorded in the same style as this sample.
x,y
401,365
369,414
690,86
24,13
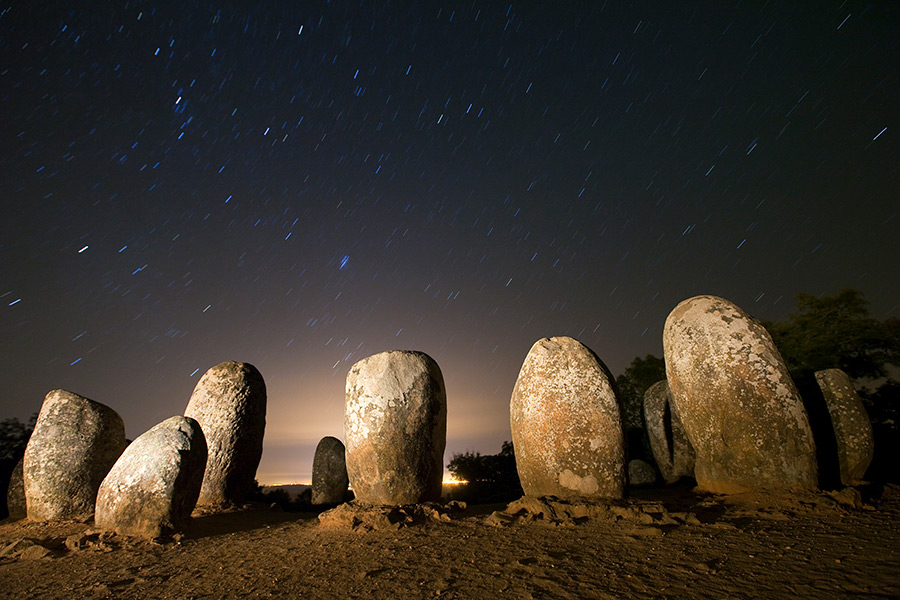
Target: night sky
x,y
300,185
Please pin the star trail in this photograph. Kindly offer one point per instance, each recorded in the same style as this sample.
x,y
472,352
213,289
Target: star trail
x,y
302,185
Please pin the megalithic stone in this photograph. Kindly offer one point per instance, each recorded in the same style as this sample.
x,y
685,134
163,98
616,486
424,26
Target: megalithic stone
x,y
852,426
395,428
229,402
566,423
154,486
739,407
671,448
329,472
74,444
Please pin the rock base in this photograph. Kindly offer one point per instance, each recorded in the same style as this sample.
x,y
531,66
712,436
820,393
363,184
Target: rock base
x,y
359,516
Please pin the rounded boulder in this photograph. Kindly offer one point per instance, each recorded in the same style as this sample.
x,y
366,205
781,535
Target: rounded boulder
x,y
154,486
229,402
329,472
738,404
566,423
74,444
671,448
395,428
852,426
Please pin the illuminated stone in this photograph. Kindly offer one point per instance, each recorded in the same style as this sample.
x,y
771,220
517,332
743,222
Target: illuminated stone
x,y
566,423
154,486
229,402
74,444
739,407
329,472
395,428
670,445
852,427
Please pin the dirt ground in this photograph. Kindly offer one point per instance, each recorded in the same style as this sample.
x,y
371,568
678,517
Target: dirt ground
x,y
661,543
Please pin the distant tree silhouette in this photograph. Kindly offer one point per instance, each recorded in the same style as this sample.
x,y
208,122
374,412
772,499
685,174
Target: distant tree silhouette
x,y
13,438
631,386
490,477
839,332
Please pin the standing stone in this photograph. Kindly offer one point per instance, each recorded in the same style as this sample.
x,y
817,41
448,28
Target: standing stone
x,y
395,427
852,427
329,472
153,487
736,400
74,444
15,494
566,423
640,472
671,448
229,402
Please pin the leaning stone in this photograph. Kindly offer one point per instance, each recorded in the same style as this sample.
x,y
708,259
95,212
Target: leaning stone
x,y
736,400
641,472
395,427
15,494
74,444
329,472
566,424
153,487
852,427
229,402
671,448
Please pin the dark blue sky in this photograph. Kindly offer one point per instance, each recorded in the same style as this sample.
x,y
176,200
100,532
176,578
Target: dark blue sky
x,y
302,185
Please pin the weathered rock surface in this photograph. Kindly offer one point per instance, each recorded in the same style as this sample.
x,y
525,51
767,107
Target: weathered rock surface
x,y
566,423
637,518
356,516
329,472
154,486
15,494
671,448
737,402
74,444
395,428
852,427
641,472
229,402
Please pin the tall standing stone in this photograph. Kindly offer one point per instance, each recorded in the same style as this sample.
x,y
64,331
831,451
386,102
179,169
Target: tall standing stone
x,y
852,427
329,472
671,448
566,423
229,402
736,400
154,486
395,427
74,444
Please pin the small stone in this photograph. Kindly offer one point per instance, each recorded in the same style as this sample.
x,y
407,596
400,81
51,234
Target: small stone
x,y
35,552
395,427
738,404
852,426
566,424
153,487
671,448
74,444
640,473
329,473
229,402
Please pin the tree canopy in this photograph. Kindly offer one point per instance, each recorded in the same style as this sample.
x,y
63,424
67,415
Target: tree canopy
x,y
837,332
489,477
640,375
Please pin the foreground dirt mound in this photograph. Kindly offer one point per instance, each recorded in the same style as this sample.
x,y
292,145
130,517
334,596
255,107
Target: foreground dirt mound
x,y
659,544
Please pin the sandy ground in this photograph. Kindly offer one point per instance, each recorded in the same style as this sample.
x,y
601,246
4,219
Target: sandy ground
x,y
651,547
